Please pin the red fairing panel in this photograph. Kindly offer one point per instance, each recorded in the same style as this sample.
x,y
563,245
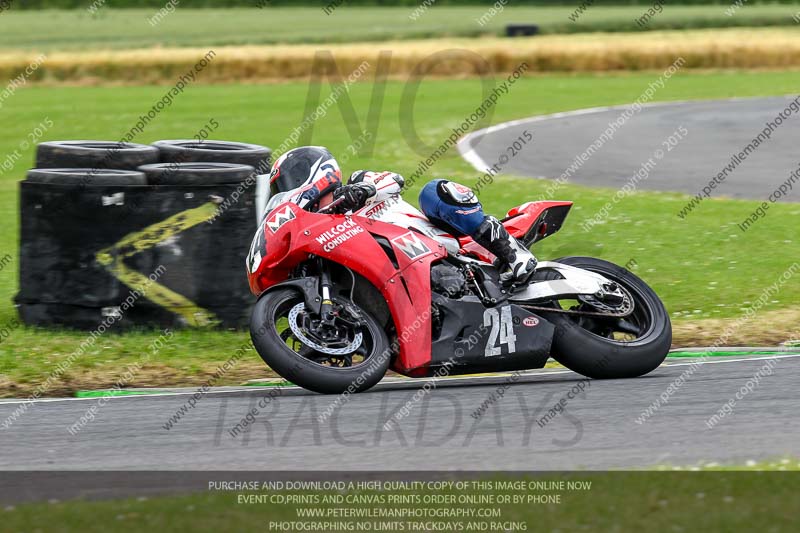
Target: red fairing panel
x,y
518,221
291,234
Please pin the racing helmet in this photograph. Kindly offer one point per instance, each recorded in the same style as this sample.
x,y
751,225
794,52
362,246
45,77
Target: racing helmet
x,y
312,168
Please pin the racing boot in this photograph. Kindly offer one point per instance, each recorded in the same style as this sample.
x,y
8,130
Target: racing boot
x,y
518,262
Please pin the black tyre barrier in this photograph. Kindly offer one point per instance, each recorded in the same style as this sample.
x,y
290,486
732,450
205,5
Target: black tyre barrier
x,y
194,151
127,256
522,30
86,176
196,173
94,154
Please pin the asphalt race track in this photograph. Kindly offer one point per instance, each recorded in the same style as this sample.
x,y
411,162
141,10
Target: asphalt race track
x,y
600,426
716,130
597,430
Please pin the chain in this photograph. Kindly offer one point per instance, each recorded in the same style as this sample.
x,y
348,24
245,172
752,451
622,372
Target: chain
x,y
576,313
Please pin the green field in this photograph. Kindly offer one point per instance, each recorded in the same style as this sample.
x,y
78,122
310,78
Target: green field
x,y
616,501
79,30
683,260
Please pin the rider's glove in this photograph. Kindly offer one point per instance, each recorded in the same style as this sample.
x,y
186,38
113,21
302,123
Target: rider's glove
x,y
354,196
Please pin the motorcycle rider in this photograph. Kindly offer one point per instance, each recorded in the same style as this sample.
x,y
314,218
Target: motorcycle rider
x,y
312,179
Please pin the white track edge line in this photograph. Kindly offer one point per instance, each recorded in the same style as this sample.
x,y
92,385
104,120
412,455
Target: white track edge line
x,y
421,381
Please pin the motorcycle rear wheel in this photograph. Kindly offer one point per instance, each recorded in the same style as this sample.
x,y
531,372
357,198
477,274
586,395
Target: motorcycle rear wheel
x,y
295,361
596,348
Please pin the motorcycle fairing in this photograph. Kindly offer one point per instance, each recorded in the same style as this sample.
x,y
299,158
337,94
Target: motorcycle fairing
x,y
573,282
530,223
533,221
397,211
405,287
471,337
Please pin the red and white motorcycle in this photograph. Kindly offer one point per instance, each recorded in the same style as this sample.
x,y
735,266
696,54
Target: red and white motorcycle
x,y
343,298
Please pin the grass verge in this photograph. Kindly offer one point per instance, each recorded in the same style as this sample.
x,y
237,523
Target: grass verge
x,y
704,270
615,501
54,30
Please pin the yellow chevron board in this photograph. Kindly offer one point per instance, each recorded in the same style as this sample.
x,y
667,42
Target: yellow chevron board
x,y
151,236
112,259
76,263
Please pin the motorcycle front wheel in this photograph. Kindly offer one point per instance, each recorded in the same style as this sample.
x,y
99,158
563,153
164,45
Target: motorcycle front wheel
x,y
608,348
329,359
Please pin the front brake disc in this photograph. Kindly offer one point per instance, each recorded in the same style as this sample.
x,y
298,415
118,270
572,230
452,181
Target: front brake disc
x,y
299,333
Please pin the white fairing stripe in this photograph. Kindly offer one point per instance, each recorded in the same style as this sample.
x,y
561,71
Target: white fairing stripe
x,y
577,281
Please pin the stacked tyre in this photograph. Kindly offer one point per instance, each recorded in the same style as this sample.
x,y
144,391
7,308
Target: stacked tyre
x,y
172,162
92,210
192,162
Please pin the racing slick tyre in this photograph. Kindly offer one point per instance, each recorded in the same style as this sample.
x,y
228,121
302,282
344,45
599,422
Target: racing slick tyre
x,y
281,348
608,348
94,154
196,173
194,151
85,176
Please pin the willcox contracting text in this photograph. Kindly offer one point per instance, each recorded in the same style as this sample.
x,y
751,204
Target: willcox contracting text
x,y
339,234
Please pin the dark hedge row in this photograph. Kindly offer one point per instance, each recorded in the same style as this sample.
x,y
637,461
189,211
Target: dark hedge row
x,y
37,4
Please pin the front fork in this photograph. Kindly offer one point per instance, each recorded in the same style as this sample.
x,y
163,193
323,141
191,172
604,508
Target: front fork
x,y
326,311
